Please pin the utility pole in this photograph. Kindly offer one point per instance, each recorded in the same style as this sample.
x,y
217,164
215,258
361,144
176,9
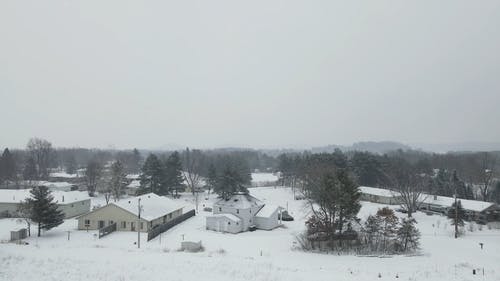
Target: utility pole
x,y
138,224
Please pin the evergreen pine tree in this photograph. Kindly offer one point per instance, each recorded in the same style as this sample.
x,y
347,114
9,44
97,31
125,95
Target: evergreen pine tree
x,y
152,178
174,179
211,177
388,226
408,235
7,166
43,210
348,199
457,215
118,180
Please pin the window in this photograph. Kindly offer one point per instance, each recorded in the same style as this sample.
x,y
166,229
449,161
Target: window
x,y
87,222
220,209
170,216
142,225
110,222
237,211
83,203
124,224
228,223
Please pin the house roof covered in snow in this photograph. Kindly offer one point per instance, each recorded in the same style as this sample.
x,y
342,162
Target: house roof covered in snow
x,y
134,184
61,197
377,191
228,216
471,205
240,201
153,206
268,210
264,177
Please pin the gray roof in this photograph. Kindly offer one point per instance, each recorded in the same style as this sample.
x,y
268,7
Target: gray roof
x,y
240,201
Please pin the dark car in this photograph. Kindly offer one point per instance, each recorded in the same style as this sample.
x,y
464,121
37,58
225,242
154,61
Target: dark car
x,y
285,216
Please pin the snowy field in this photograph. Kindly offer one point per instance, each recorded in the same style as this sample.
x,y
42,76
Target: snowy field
x,y
259,255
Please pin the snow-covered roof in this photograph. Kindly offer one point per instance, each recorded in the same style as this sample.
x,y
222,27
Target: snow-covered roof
x,y
471,205
377,191
153,206
264,177
240,201
133,176
134,184
63,175
228,216
62,197
267,210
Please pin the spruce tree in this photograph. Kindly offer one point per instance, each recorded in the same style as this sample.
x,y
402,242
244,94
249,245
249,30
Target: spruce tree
x,y
43,210
174,179
348,199
457,214
211,177
408,235
152,178
118,180
7,166
388,226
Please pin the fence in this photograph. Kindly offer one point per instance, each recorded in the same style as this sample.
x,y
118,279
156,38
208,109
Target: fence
x,y
107,230
166,226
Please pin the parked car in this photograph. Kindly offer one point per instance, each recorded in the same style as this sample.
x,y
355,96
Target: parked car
x,y
285,216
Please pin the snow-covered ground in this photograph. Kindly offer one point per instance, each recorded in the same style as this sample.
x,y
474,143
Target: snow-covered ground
x,y
259,255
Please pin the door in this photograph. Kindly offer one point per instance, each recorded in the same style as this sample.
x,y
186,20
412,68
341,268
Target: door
x,y
101,224
132,226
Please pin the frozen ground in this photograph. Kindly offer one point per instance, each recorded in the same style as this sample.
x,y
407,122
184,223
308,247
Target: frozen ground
x,y
259,255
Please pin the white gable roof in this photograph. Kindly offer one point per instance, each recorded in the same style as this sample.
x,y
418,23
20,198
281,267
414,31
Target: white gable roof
x,y
268,210
153,206
228,216
240,201
61,197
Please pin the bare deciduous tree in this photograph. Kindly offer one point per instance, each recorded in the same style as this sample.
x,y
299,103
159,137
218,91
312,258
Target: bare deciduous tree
x,y
406,183
192,168
41,151
93,175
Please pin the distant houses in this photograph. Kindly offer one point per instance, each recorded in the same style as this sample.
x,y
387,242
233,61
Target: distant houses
x,y
243,212
475,210
71,203
156,210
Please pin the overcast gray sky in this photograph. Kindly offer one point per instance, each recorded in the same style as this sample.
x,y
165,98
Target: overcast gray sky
x,y
248,73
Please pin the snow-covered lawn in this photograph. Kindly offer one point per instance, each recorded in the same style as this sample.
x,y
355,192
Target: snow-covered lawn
x,y
259,255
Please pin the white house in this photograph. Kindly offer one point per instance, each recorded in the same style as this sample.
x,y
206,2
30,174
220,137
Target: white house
x,y
71,203
242,212
156,210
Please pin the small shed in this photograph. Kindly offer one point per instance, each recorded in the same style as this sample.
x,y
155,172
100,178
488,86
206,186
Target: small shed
x,y
18,234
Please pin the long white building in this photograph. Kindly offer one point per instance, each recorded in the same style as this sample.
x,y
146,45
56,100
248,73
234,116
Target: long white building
x,y
71,203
